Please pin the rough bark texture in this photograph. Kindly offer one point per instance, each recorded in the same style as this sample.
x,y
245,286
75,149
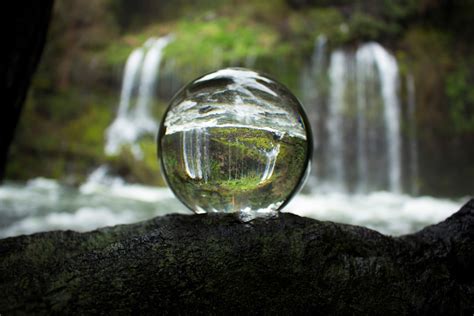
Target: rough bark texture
x,y
24,35
213,264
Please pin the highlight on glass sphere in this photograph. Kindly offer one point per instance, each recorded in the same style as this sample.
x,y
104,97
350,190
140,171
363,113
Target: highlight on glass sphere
x,y
235,141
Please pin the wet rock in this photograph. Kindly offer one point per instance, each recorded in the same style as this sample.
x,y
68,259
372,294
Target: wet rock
x,y
214,264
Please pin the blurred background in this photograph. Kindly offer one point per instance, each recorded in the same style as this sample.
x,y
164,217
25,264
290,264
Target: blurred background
x,y
388,87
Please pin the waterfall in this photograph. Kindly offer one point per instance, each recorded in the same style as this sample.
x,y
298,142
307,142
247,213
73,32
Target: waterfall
x,y
134,118
196,153
354,107
388,72
188,154
413,149
132,68
313,92
375,63
271,158
364,75
338,79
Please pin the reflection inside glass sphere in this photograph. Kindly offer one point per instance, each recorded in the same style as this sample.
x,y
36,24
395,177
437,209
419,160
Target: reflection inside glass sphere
x,y
234,140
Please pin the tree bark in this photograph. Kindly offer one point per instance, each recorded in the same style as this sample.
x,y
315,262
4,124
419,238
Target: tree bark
x,y
24,35
214,264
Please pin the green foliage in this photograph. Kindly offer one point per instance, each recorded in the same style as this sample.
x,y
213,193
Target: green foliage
x,y
240,185
237,162
308,25
460,91
401,9
117,53
364,26
203,45
145,170
60,139
445,81
74,95
428,59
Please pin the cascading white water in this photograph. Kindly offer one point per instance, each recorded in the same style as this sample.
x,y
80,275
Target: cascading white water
x,y
271,158
388,73
334,121
131,72
364,74
413,149
359,118
103,200
43,204
374,77
187,138
134,118
373,62
312,77
196,153
317,59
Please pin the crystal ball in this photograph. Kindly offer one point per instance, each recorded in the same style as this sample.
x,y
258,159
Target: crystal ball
x,y
235,140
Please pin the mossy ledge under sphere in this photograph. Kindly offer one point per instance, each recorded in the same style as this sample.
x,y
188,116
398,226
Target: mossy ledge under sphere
x,y
235,141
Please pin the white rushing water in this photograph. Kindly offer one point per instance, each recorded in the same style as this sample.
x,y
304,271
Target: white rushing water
x,y
43,204
413,158
388,73
371,58
313,78
196,153
134,117
357,115
338,80
356,120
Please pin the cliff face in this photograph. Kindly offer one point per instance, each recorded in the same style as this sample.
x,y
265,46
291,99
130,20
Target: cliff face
x,y
214,264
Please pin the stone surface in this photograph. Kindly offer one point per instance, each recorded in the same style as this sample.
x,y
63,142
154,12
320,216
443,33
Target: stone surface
x,y
214,264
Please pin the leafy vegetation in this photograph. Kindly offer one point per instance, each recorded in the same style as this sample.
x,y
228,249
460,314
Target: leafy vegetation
x,y
460,94
217,42
233,174
75,93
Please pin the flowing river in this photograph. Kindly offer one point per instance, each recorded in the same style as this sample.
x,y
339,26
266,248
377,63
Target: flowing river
x,y
44,204
353,102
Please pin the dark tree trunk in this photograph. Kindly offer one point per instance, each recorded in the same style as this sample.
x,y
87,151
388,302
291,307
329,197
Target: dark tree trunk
x,y
214,264
24,35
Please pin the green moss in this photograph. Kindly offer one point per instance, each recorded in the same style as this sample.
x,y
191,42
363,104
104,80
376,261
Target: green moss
x,y
234,179
429,71
145,170
367,27
460,92
55,139
117,52
241,185
307,25
217,42
74,94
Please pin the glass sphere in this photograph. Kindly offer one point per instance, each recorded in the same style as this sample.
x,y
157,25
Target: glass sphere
x,y
235,141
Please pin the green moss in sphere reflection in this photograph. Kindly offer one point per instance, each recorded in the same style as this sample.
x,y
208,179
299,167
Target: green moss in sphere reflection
x,y
235,141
